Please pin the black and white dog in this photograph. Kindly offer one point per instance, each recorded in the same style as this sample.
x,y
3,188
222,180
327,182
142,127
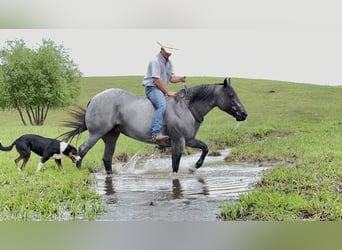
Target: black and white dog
x,y
47,148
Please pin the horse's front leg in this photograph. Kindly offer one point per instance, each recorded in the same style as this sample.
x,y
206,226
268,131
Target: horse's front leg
x,y
194,143
177,149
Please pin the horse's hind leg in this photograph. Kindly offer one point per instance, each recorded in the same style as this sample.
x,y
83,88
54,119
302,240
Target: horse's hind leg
x,y
110,143
86,146
194,143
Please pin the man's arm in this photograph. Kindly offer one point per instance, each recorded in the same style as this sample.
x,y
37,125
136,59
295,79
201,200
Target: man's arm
x,y
160,84
175,79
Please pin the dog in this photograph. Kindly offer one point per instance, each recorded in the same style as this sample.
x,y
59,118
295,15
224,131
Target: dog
x,y
47,148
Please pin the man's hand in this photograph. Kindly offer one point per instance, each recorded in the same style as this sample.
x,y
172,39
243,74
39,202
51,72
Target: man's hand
x,y
182,79
171,93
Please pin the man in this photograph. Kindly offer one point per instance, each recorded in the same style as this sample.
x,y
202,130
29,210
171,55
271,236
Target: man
x,y
159,74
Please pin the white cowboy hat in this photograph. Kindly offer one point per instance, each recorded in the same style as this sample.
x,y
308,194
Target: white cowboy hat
x,y
167,47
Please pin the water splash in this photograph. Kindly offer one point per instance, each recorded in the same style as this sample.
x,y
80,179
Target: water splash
x,y
129,167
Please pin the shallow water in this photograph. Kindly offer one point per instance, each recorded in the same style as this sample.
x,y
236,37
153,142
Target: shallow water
x,y
147,191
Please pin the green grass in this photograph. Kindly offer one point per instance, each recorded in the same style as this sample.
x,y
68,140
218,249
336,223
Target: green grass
x,y
295,126
299,129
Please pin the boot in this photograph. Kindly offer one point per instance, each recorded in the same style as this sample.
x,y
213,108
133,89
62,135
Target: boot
x,y
159,138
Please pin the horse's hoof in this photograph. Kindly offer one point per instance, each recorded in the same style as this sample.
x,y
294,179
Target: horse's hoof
x,y
173,175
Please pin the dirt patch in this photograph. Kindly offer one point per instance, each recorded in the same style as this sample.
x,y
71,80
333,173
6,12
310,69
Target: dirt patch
x,y
280,133
260,162
214,153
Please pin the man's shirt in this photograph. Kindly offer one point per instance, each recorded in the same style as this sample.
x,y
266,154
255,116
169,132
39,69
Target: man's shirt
x,y
158,68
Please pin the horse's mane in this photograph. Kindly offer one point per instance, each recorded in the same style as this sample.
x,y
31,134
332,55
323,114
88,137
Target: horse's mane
x,y
198,93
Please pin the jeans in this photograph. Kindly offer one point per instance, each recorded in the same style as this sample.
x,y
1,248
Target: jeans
x,y
157,97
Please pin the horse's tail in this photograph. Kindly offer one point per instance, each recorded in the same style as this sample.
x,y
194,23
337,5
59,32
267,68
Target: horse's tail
x,y
8,148
78,124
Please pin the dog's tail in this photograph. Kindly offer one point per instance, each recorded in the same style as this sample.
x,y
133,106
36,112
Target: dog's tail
x,y
8,148
78,124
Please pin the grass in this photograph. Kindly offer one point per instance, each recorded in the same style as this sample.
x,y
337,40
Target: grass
x,y
297,127
50,195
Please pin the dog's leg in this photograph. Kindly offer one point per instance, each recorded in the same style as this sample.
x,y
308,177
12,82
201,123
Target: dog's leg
x,y
25,160
17,162
24,154
24,150
59,164
41,163
39,167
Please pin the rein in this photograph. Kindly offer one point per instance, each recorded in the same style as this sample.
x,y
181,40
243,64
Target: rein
x,y
187,99
186,91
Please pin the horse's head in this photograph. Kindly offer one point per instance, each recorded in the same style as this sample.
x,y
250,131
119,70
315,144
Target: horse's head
x,y
229,102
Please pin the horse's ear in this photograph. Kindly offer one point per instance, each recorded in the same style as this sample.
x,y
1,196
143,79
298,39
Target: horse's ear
x,y
226,82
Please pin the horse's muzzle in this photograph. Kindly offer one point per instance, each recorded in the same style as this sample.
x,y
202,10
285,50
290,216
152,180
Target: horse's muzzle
x,y
241,116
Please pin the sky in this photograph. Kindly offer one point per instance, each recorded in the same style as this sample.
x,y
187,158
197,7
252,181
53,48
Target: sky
x,y
298,41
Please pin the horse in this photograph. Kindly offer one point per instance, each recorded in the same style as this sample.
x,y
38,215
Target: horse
x,y
115,111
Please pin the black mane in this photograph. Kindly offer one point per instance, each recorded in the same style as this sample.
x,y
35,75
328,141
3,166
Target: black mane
x,y
198,93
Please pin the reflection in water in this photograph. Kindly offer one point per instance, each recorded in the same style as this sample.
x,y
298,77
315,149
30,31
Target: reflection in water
x,y
152,193
205,189
176,189
109,188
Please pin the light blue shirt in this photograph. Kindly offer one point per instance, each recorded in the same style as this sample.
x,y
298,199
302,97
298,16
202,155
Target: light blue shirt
x,y
158,68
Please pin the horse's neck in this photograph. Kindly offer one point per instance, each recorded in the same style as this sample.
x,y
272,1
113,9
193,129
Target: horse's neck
x,y
199,107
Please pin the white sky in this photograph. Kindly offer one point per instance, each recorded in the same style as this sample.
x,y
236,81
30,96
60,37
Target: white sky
x,y
293,40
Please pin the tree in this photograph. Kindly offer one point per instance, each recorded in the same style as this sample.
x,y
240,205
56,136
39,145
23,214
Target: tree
x,y
33,81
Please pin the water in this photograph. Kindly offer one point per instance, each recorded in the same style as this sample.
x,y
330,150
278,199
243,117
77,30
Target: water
x,y
148,191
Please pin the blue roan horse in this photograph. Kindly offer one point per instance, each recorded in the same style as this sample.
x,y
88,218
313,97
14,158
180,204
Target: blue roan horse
x,y
115,111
